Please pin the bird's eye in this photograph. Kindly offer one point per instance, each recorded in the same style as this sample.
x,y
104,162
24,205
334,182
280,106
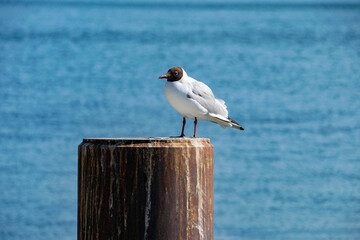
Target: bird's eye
x,y
176,73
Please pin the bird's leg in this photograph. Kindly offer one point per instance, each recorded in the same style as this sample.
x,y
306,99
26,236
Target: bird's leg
x,y
183,127
195,122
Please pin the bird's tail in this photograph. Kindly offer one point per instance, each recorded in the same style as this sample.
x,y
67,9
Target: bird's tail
x,y
226,122
235,124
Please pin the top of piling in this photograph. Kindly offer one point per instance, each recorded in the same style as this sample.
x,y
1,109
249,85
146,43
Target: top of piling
x,y
146,140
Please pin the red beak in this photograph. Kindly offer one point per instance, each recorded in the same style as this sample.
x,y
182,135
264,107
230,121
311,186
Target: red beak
x,y
163,76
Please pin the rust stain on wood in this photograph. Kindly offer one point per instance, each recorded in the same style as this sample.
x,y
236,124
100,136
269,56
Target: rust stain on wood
x,y
145,188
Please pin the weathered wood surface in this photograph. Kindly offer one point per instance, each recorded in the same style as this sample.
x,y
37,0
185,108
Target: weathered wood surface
x,y
145,188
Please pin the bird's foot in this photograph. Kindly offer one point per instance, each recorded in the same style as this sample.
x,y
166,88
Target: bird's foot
x,y
181,136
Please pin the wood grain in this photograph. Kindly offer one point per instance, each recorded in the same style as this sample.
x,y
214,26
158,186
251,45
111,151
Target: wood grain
x,y
145,188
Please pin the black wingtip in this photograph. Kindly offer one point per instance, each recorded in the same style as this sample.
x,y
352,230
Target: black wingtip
x,y
237,126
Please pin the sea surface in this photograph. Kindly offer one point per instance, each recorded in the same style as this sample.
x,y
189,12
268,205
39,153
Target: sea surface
x,y
288,71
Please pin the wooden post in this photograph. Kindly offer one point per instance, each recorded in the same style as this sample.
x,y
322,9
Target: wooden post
x,y
145,188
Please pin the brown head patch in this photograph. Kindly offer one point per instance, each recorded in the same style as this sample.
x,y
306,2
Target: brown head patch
x,y
174,74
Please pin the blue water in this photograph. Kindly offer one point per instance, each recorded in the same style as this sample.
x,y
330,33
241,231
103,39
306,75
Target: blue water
x,y
290,74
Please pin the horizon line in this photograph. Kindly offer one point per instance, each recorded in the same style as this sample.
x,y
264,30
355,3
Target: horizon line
x,y
190,5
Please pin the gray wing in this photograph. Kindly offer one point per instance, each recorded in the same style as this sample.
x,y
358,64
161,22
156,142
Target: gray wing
x,y
205,97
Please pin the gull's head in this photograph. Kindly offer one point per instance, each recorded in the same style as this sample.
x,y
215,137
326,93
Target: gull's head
x,y
174,74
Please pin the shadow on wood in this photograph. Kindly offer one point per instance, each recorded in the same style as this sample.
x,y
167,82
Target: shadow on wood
x,y
145,188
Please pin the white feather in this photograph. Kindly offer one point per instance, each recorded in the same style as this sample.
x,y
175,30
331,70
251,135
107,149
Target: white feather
x,y
192,99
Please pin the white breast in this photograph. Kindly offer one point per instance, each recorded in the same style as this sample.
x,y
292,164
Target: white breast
x,y
177,95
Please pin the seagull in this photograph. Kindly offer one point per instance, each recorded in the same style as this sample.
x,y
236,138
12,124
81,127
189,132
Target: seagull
x,y
195,100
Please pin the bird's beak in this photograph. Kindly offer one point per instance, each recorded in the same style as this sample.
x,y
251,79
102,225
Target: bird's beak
x,y
164,76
